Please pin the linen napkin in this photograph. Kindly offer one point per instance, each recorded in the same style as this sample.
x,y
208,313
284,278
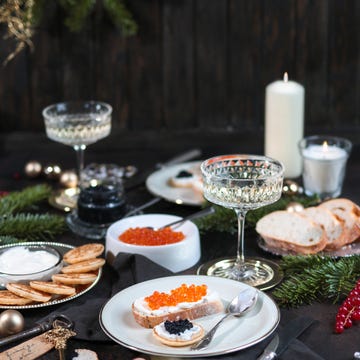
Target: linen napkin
x,y
129,269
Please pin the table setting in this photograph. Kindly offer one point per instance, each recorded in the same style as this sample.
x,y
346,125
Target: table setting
x,y
181,240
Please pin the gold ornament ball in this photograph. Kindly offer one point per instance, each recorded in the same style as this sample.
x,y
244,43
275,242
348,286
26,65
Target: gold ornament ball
x,y
11,322
291,188
33,169
68,179
294,207
52,171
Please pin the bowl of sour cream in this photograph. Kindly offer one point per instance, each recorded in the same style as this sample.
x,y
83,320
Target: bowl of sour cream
x,y
25,262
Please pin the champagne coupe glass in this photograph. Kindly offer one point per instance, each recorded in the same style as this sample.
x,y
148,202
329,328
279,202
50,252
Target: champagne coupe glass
x,y
242,183
78,124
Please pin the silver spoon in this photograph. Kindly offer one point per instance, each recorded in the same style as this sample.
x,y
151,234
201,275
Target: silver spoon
x,y
238,306
203,212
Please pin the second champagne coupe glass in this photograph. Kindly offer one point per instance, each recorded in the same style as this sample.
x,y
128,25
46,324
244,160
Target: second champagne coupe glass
x,y
242,183
78,124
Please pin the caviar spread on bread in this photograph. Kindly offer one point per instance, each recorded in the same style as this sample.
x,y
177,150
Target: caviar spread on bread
x,y
184,302
178,332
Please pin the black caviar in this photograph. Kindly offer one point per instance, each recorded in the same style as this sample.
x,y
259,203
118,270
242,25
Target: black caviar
x,y
177,327
184,174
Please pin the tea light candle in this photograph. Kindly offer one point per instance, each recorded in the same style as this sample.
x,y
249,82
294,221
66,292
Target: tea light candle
x,y
284,123
324,168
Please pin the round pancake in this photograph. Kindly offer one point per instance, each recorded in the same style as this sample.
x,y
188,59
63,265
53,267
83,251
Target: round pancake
x,y
28,292
52,287
84,252
75,279
179,342
9,298
84,266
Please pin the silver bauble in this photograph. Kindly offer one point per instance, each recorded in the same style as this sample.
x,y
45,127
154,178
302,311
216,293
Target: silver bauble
x,y
33,169
11,322
52,171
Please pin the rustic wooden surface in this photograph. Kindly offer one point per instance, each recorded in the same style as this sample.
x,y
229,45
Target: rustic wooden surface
x,y
195,65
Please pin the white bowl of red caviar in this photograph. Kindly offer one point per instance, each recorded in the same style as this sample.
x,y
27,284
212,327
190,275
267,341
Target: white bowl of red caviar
x,y
176,249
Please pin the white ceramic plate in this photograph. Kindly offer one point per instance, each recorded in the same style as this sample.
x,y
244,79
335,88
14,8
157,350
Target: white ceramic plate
x,y
117,321
158,184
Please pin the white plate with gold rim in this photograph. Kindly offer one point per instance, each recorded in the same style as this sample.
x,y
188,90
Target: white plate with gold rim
x,y
235,334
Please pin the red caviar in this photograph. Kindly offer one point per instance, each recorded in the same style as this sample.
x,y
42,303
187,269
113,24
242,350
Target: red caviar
x,y
150,237
183,293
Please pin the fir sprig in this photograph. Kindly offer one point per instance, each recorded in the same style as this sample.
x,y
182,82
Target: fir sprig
x,y
224,220
316,278
32,226
21,200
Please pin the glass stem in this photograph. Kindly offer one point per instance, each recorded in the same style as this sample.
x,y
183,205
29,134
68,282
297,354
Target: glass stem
x,y
79,149
240,257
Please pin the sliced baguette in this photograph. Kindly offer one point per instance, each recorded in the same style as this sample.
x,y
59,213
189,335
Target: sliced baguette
x,y
205,308
333,226
292,232
349,212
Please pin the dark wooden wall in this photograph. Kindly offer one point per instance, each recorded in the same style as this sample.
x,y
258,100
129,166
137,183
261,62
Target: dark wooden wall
x,y
195,65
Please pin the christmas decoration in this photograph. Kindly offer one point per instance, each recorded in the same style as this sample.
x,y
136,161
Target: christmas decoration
x,y
11,322
349,311
68,179
22,16
33,169
16,226
52,171
316,278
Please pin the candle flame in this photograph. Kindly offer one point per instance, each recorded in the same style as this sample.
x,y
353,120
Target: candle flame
x,y
325,146
286,77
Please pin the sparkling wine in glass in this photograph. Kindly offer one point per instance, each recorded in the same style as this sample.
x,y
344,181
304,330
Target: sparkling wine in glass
x,y
78,124
242,183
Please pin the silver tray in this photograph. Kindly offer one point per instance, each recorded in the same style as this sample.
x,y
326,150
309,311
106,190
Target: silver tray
x,y
347,250
62,248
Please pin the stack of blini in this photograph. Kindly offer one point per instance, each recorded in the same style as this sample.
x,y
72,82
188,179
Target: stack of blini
x,y
82,264
326,227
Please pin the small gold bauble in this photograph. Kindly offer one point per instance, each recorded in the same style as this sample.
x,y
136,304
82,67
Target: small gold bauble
x,y
291,188
33,169
68,179
294,207
11,322
52,171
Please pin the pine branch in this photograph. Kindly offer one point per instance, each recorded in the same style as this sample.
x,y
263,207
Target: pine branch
x,y
22,200
121,16
76,12
6,239
316,278
32,227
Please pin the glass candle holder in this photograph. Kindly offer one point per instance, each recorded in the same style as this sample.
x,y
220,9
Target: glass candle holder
x,y
324,164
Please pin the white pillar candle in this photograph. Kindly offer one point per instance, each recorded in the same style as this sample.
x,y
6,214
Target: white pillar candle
x,y
324,169
284,124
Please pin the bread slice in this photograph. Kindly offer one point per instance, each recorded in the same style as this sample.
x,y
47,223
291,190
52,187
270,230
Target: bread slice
x,y
333,226
176,340
292,232
349,212
208,306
